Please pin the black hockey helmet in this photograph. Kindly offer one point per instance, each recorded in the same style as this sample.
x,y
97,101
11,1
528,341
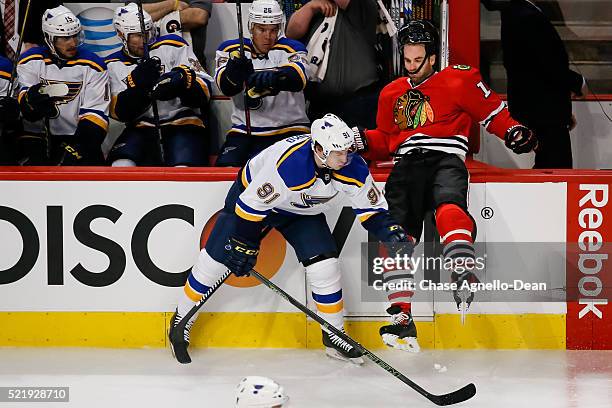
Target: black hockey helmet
x,y
419,32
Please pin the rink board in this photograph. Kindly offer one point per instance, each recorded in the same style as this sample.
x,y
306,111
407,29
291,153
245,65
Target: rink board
x,y
101,260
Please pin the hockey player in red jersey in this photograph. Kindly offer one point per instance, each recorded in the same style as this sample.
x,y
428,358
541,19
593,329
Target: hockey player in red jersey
x,y
423,123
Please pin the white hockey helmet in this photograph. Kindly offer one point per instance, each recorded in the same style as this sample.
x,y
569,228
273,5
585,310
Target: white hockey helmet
x,y
127,21
332,134
60,22
260,392
266,12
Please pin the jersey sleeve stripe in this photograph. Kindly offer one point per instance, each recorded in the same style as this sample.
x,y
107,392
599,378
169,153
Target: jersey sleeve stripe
x,y
247,216
299,70
289,151
204,87
245,175
346,180
305,185
96,120
6,75
218,76
485,122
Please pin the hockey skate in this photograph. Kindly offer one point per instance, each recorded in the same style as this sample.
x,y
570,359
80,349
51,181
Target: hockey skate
x,y
339,349
463,296
179,339
402,333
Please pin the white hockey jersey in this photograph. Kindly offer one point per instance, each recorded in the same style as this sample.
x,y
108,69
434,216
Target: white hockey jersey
x,y
5,75
284,113
88,95
172,51
284,179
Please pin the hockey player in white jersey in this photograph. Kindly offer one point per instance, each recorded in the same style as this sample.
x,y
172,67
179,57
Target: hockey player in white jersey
x,y
174,78
63,95
274,69
288,186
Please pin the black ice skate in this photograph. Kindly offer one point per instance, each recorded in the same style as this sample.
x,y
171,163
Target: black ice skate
x,y
463,296
179,339
339,349
401,333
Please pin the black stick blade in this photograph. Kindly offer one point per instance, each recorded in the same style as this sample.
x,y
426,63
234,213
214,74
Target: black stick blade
x,y
455,397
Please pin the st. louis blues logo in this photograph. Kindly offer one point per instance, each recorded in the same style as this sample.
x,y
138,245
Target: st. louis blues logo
x,y
309,201
74,88
412,110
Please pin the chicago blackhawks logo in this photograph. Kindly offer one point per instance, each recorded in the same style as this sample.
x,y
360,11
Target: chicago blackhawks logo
x,y
412,109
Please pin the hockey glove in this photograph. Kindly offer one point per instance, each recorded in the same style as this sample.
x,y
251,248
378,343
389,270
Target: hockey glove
x,y
174,83
37,105
361,141
9,109
397,242
241,256
71,156
238,69
145,75
520,139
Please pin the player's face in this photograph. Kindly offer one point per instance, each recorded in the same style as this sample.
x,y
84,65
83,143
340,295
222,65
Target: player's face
x,y
338,159
264,36
67,46
135,44
414,56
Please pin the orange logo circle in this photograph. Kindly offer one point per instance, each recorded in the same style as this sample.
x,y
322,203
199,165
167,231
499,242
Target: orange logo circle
x,y
271,255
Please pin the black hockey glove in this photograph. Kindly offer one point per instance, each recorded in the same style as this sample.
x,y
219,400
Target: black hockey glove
x,y
397,242
145,75
9,109
71,155
241,256
174,83
36,105
238,69
264,83
520,139
361,141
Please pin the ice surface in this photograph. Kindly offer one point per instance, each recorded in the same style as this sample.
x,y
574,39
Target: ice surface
x,y
115,378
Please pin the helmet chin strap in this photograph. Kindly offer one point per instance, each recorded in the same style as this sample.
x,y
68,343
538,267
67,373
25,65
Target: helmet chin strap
x,y
416,71
323,160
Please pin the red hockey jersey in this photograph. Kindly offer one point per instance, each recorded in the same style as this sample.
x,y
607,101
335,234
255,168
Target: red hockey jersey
x,y
436,114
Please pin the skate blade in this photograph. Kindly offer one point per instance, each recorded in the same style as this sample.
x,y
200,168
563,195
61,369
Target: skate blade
x,y
335,354
409,344
182,356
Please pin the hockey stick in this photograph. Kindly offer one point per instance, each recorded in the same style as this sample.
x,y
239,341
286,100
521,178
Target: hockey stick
x,y
247,111
180,327
145,46
18,51
451,398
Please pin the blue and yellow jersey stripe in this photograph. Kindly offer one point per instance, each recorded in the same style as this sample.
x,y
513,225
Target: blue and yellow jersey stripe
x,y
172,40
95,116
245,175
249,213
86,63
363,214
346,180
